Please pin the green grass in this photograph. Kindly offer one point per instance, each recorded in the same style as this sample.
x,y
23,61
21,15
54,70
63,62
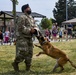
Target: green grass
x,y
41,65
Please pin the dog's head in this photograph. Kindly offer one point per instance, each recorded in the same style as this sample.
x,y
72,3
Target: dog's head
x,y
39,36
41,39
36,33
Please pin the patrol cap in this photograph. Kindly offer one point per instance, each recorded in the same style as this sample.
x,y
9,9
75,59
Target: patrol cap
x,y
24,7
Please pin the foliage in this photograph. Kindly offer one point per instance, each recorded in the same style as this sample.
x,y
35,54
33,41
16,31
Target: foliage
x,y
53,20
59,11
16,1
71,9
46,23
41,65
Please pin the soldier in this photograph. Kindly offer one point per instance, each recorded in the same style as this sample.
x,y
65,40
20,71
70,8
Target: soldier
x,y
24,30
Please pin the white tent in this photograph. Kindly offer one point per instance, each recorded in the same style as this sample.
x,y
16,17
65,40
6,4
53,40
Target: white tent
x,y
72,21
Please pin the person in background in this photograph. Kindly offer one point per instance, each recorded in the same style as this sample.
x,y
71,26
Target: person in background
x,y
65,36
7,35
12,35
25,28
47,34
69,31
60,35
1,37
54,32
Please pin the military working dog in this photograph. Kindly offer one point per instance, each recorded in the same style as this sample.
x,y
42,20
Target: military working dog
x,y
53,52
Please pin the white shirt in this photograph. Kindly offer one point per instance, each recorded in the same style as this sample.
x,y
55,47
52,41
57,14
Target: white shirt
x,y
7,33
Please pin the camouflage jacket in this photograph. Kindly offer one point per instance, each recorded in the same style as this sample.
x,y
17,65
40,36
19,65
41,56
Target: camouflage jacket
x,y
23,25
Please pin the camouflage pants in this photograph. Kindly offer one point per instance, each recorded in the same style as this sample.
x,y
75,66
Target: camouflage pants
x,y
25,51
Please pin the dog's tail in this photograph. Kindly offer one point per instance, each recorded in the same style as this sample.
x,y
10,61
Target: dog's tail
x,y
72,63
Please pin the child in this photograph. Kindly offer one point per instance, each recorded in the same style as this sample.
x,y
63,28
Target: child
x,y
60,35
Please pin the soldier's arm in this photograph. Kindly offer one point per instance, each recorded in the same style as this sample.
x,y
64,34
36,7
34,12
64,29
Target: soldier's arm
x,y
21,26
35,26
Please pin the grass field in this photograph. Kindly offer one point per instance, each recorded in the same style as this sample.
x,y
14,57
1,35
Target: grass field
x,y
41,65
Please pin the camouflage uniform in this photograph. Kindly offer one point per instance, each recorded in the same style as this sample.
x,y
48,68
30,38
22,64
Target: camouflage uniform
x,y
24,41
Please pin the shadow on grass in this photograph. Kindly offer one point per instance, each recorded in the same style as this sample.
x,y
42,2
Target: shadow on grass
x,y
10,73
24,73
35,73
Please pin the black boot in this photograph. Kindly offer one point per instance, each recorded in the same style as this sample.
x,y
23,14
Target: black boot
x,y
15,66
28,67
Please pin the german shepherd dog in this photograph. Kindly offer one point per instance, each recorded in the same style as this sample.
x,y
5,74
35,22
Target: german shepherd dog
x,y
53,52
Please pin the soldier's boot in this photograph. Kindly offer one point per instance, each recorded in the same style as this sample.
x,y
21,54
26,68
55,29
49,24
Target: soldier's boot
x,y
28,64
28,67
15,66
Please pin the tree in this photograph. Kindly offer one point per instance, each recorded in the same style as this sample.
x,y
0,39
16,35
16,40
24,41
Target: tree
x,y
53,20
14,2
46,23
59,11
71,9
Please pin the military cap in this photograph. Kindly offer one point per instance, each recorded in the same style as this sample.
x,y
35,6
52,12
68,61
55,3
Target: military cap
x,y
24,7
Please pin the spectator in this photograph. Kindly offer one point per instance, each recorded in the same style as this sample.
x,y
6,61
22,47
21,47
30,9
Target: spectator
x,y
65,34
60,35
6,34
12,36
69,30
47,34
54,32
1,37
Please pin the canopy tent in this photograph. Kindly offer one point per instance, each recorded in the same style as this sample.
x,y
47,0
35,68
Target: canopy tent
x,y
72,21
9,15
